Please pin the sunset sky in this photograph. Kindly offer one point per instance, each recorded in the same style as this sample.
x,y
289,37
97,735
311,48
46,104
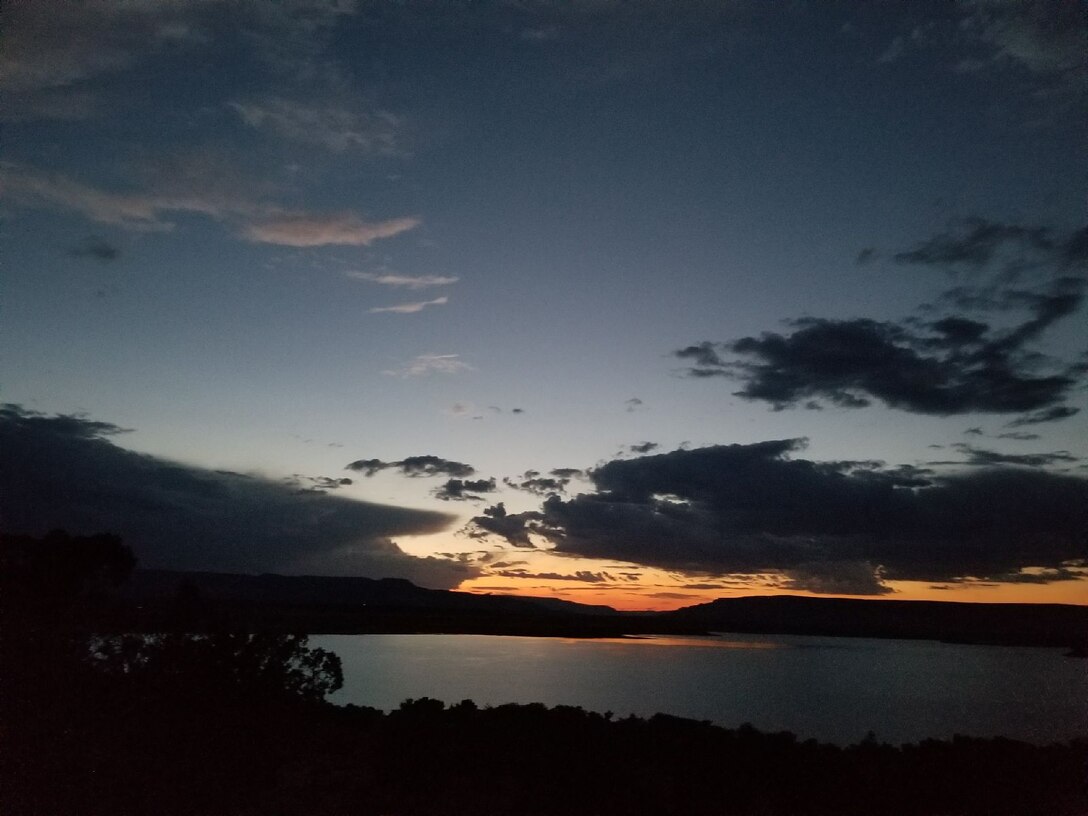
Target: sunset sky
x,y
637,303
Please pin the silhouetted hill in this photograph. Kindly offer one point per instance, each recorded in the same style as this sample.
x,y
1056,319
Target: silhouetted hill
x,y
351,591
1010,624
198,601
157,600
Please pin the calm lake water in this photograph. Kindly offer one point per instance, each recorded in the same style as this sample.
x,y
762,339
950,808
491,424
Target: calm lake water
x,y
833,689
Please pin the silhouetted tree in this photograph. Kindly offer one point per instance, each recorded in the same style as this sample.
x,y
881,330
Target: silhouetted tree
x,y
60,569
226,664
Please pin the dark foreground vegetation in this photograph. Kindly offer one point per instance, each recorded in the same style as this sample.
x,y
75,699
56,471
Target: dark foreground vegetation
x,y
228,723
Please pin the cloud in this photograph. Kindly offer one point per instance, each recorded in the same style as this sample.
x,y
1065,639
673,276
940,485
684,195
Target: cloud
x,y
532,482
1045,39
96,248
567,473
414,466
65,472
411,308
432,364
56,45
190,186
643,447
345,229
850,362
951,365
892,53
330,126
1057,412
988,458
459,489
318,484
866,256
513,527
28,187
51,45
825,525
407,281
585,576
632,405
836,578
977,242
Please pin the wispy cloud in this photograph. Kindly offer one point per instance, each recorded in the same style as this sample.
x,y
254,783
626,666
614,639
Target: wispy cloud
x,y
346,229
386,278
28,187
336,128
432,364
411,308
254,218
1047,39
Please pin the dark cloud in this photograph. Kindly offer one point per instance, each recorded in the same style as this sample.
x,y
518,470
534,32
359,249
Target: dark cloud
x,y
64,472
704,358
954,361
643,447
1075,250
514,527
313,483
836,578
1045,576
586,576
987,458
98,249
414,466
531,481
633,404
825,525
949,366
866,256
567,473
540,485
977,243
1052,414
1019,436
464,490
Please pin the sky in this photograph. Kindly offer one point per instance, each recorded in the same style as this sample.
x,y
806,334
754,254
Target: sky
x,y
629,303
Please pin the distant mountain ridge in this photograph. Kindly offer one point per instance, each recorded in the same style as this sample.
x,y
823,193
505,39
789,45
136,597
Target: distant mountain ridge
x,y
1008,624
320,604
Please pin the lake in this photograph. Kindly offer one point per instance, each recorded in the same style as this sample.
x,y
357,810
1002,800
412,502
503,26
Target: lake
x,y
833,689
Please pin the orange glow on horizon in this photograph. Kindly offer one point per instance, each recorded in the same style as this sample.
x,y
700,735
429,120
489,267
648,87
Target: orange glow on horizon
x,y
657,598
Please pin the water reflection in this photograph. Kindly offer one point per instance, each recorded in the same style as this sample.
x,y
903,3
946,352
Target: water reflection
x,y
833,689
687,641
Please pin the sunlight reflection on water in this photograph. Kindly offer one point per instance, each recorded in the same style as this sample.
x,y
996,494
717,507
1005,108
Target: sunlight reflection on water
x,y
833,689
688,641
